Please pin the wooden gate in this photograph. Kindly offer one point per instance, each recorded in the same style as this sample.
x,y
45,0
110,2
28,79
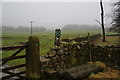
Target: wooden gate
x,y
32,60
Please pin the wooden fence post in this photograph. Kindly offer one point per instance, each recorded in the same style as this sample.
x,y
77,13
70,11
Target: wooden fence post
x,y
89,47
33,58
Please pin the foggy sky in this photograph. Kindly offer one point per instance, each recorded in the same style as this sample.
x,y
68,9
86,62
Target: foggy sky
x,y
52,14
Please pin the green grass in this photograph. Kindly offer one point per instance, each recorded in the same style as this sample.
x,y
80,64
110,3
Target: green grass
x,y
110,40
45,44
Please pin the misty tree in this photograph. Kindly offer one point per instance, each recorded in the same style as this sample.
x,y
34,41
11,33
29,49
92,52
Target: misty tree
x,y
22,29
39,29
116,17
79,27
8,28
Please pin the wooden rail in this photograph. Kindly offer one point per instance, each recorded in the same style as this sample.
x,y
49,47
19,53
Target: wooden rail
x,y
14,56
11,47
13,67
13,74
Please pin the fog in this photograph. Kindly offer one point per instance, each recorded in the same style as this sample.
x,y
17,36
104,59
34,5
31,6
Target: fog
x,y
53,15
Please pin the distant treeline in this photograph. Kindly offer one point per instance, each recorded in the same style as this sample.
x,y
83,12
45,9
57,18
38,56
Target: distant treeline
x,y
42,29
80,27
23,29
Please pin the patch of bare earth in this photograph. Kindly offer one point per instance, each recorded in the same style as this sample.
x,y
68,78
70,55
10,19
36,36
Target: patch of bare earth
x,y
108,73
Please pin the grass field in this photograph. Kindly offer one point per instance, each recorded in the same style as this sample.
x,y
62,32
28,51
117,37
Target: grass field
x,y
45,43
110,40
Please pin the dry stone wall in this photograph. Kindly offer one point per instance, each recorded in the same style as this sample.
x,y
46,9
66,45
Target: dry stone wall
x,y
73,53
80,39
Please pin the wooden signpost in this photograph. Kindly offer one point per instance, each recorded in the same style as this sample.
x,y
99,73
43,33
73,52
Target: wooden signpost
x,y
57,37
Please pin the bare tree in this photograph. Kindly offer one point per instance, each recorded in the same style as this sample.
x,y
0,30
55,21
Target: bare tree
x,y
102,20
